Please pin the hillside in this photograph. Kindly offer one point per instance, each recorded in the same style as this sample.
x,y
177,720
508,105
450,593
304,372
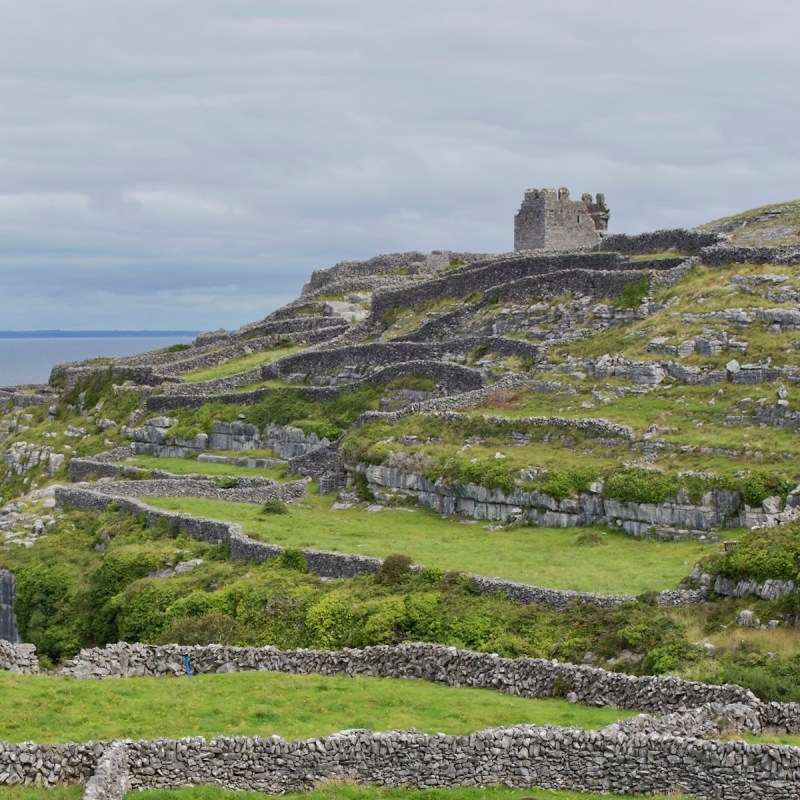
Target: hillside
x,y
583,455
777,224
646,388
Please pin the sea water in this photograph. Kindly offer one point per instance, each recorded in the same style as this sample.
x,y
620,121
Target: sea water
x,y
30,360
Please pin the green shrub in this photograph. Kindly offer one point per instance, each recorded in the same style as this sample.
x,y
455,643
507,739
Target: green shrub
x,y
394,567
562,686
392,315
115,572
669,656
226,483
325,418
636,485
94,387
293,558
177,348
479,352
212,628
335,621
760,555
274,506
489,472
140,612
561,484
757,487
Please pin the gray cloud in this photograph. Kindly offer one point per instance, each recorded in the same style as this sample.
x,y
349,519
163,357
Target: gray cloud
x,y
188,163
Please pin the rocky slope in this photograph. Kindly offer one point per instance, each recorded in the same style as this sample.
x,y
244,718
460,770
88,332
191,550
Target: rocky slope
x,y
649,388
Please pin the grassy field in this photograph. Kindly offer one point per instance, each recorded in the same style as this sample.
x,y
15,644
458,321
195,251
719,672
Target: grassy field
x,y
329,790
542,556
684,415
240,364
188,466
341,790
50,709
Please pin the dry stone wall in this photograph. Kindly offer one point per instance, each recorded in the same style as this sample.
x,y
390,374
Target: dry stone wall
x,y
679,240
489,276
524,677
18,658
721,255
382,265
644,754
247,489
26,396
524,756
288,442
112,778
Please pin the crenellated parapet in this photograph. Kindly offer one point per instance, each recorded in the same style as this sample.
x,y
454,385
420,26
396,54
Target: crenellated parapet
x,y
549,220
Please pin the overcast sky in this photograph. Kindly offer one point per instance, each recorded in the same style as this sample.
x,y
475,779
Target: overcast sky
x,y
187,163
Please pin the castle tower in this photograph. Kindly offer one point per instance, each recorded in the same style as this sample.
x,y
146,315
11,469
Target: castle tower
x,y
549,220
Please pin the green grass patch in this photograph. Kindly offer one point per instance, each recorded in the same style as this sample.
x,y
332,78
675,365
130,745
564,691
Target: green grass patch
x,y
633,293
535,555
344,790
50,709
691,417
241,363
399,320
792,739
74,792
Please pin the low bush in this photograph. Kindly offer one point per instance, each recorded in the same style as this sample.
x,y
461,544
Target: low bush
x,y
489,472
274,507
293,558
757,487
212,628
637,485
394,567
561,484
760,554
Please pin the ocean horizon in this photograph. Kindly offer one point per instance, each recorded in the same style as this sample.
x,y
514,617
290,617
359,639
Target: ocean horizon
x,y
27,359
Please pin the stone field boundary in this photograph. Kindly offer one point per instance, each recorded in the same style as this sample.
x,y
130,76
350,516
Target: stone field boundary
x,y
644,754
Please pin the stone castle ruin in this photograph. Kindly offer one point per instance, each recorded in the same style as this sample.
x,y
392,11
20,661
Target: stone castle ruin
x,y
549,220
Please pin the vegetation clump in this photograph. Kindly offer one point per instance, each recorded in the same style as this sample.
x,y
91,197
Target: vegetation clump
x,y
394,567
761,554
274,507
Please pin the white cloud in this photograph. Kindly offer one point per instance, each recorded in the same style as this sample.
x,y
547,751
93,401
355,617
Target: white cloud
x,y
157,151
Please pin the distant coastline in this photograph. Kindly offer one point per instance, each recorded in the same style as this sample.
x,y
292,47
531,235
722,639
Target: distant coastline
x,y
27,357
62,334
